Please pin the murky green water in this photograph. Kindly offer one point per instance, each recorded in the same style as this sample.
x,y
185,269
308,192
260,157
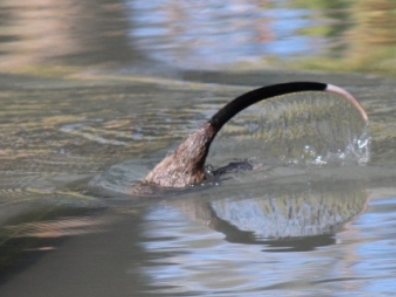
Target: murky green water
x,y
315,216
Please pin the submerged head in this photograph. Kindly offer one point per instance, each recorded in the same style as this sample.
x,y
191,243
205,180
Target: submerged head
x,y
186,165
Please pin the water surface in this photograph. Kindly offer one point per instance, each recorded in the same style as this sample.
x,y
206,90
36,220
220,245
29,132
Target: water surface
x,y
127,81
291,225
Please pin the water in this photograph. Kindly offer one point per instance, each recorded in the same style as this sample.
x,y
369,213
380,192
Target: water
x,y
83,123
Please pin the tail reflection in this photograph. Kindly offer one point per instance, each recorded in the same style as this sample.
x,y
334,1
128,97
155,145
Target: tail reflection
x,y
299,218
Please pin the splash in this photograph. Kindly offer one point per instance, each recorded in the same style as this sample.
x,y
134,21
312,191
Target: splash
x,y
356,151
306,129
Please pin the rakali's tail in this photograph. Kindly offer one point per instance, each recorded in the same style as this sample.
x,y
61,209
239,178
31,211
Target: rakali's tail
x,y
185,166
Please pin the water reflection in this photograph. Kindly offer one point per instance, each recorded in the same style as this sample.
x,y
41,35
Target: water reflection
x,y
373,37
300,217
78,32
188,258
191,34
43,228
360,35
82,253
340,35
168,247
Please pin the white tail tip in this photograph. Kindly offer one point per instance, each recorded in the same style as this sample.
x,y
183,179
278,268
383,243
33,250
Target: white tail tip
x,y
349,97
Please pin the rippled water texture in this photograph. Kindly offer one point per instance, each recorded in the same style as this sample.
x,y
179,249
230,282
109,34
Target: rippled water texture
x,y
92,100
151,36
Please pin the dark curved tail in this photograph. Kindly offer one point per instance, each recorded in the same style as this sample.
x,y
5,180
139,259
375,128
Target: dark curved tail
x,y
249,98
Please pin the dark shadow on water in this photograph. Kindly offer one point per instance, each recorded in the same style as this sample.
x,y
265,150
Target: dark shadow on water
x,y
292,244
74,252
303,244
26,238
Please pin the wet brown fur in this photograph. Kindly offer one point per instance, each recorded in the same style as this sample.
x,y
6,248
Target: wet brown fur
x,y
185,166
